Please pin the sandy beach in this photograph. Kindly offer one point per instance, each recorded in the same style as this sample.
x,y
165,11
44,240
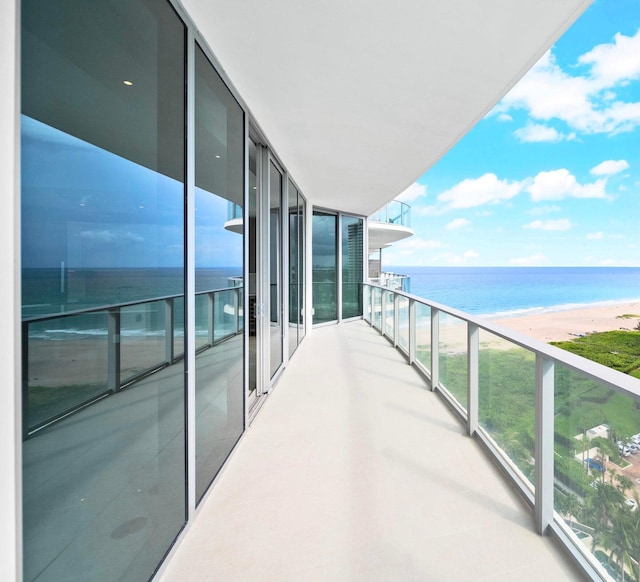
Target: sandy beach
x,y
569,323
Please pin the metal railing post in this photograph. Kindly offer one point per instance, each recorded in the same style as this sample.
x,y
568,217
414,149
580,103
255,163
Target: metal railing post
x,y
412,331
169,331
473,375
544,443
210,318
25,380
435,348
113,349
383,311
396,323
236,309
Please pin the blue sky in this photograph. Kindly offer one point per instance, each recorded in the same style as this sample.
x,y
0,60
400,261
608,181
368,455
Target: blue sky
x,y
551,176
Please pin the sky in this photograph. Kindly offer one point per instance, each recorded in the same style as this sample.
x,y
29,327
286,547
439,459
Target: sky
x,y
551,176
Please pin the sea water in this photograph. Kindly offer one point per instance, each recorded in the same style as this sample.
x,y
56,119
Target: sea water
x,y
510,291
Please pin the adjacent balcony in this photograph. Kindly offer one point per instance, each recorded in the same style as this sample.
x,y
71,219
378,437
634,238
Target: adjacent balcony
x,y
389,224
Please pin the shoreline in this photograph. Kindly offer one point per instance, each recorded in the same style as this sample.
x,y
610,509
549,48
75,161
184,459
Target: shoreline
x,y
562,323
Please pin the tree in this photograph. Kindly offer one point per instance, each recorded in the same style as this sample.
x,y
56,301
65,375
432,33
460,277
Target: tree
x,y
602,505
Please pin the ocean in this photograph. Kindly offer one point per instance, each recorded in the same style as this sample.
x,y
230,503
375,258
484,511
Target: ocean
x,y
511,291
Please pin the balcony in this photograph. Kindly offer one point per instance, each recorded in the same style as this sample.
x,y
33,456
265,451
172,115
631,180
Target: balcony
x,y
390,224
355,470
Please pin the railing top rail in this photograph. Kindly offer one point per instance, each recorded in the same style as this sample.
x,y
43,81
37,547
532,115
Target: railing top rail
x,y
616,380
99,308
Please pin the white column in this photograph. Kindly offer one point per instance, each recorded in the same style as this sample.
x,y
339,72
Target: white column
x,y
10,365
473,345
544,443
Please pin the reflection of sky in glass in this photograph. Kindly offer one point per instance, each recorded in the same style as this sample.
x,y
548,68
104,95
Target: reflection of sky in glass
x,y
93,209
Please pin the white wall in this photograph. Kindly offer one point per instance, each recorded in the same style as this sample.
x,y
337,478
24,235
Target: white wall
x,y
9,293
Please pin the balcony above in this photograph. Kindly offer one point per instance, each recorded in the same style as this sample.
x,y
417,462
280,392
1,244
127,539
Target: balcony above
x,y
389,224
355,471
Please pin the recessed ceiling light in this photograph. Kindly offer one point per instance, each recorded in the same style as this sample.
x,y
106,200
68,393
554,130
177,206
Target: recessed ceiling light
x,y
218,157
128,83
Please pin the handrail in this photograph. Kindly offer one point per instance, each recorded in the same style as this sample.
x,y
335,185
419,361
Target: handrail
x,y
402,216
613,378
114,380
382,309
106,307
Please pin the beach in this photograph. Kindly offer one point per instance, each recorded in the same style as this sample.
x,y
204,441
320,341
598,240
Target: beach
x,y
567,324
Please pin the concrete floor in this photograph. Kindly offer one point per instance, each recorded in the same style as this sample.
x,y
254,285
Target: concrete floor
x,y
353,470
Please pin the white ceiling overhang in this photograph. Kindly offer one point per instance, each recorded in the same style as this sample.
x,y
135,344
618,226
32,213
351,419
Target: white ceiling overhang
x,y
360,97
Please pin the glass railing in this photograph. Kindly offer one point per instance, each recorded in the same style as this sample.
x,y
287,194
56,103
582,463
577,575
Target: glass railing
x,y
566,430
393,281
73,359
395,212
234,211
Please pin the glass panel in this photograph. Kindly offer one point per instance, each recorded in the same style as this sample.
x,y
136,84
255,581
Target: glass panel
x,y
376,306
388,313
178,327
102,199
252,321
275,267
423,335
453,357
324,248
295,284
302,324
219,150
507,399
142,340
352,266
366,306
596,444
53,383
403,323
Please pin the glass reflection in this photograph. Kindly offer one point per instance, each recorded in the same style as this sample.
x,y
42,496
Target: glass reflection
x,y
324,257
352,266
275,268
102,240
219,272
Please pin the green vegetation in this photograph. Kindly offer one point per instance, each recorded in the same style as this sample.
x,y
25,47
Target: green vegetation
x,y
619,349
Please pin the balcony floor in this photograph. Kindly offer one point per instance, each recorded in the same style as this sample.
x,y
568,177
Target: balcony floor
x,y
353,470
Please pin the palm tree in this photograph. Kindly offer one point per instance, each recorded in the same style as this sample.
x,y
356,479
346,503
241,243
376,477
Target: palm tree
x,y
624,483
620,539
572,507
602,505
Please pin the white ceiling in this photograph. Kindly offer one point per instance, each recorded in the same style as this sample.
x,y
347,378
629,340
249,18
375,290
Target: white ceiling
x,y
360,97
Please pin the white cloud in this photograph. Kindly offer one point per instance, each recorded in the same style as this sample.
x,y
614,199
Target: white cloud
x,y
616,62
560,224
505,117
559,184
535,132
453,259
584,102
412,193
538,210
536,259
486,189
458,223
595,236
108,236
609,167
